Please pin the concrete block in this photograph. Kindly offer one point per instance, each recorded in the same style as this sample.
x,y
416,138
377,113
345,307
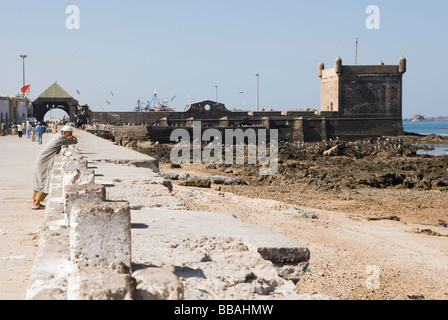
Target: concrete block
x,y
70,153
99,284
78,177
72,165
72,158
158,284
100,235
73,194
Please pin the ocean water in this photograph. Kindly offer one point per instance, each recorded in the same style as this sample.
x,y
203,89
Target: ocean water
x,y
427,127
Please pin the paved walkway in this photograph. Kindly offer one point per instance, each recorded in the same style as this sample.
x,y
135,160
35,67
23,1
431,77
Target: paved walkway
x,y
18,223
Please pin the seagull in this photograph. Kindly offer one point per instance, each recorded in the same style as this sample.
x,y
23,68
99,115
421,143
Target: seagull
x,y
173,97
111,92
78,91
108,101
241,92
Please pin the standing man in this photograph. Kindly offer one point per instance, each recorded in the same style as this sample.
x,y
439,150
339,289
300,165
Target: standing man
x,y
39,131
44,164
3,129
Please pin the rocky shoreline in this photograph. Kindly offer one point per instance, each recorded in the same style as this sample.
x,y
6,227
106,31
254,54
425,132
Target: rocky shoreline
x,y
388,162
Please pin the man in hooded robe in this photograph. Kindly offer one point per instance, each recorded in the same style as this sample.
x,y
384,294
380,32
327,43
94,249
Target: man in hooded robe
x,y
44,164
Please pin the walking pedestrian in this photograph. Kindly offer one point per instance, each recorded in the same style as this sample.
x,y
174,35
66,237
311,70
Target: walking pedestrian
x,y
39,132
29,129
3,127
44,164
20,130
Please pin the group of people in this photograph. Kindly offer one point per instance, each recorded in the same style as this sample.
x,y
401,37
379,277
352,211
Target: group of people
x,y
33,130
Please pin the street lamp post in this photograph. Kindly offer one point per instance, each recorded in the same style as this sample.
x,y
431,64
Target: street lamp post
x,y
258,91
216,93
23,56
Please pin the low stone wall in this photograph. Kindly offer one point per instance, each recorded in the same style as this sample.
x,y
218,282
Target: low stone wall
x,y
85,244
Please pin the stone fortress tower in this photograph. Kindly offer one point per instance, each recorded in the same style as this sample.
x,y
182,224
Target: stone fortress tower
x,y
369,89
371,93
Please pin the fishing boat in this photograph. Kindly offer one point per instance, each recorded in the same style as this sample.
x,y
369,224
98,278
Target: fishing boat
x,y
153,105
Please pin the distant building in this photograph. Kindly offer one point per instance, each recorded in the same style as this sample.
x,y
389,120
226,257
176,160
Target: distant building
x,y
362,90
14,110
367,100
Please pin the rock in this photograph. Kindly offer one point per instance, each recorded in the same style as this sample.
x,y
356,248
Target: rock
x,y
334,151
441,224
298,214
201,183
213,179
158,284
416,297
292,271
100,284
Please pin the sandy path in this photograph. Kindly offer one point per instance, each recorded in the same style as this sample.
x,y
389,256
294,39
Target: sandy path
x,y
351,257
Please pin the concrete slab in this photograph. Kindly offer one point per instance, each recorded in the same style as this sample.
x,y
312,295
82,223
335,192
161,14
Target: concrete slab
x,y
97,149
271,245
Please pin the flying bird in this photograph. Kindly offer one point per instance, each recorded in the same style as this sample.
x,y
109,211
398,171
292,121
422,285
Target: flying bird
x,y
78,91
108,101
111,92
173,97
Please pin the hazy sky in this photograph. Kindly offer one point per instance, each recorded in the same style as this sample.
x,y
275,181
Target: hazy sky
x,y
184,48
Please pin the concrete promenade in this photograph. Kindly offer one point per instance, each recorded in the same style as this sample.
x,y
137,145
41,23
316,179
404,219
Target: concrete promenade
x,y
207,255
18,223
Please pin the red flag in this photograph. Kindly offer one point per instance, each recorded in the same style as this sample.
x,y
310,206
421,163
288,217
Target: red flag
x,y
26,88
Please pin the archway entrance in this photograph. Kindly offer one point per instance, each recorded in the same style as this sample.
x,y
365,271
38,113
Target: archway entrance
x,y
57,114
57,98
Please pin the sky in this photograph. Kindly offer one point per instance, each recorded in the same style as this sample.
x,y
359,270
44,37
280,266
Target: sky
x,y
124,50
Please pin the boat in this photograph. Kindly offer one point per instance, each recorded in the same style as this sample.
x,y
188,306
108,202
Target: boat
x,y
153,105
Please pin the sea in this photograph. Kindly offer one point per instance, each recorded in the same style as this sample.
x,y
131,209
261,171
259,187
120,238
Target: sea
x,y
429,127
